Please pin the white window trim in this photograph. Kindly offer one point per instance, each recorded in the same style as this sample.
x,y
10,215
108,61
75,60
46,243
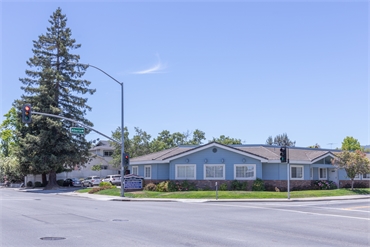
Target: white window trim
x,y
292,166
326,173
137,169
368,178
150,167
252,178
357,177
223,172
195,172
311,173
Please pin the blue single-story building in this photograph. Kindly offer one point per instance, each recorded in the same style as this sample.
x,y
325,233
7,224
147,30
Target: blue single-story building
x,y
215,162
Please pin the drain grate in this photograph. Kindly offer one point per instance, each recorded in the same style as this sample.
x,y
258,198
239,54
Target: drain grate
x,y
52,238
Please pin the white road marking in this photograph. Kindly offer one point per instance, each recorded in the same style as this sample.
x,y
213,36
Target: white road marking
x,y
290,210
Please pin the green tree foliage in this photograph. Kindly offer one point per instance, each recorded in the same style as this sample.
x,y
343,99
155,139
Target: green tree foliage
x,y
314,146
142,144
227,140
10,169
116,135
280,140
166,140
351,144
354,163
53,85
8,130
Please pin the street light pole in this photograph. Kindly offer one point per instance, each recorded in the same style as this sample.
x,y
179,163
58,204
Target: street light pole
x,y
122,130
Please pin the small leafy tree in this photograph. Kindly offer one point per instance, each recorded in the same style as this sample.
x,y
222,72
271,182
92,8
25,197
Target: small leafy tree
x,y
353,163
351,144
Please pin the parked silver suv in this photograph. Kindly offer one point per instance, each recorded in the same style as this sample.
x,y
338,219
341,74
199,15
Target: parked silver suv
x,y
91,181
113,179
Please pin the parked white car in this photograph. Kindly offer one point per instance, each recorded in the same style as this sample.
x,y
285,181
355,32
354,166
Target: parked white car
x,y
113,179
91,181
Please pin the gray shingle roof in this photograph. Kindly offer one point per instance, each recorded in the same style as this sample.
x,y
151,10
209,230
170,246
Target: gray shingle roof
x,y
264,151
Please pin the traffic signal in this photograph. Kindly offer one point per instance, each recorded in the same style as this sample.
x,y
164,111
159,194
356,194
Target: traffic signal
x,y
126,158
283,154
26,113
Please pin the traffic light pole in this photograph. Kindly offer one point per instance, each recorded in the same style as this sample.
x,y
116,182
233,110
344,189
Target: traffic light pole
x,y
74,121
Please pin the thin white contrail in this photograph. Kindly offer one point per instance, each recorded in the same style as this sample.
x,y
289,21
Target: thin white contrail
x,y
158,68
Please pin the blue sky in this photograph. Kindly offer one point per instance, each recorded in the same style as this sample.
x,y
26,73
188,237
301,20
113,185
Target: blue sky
x,y
243,69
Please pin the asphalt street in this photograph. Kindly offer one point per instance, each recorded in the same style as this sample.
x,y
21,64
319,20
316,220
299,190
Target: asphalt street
x,y
64,219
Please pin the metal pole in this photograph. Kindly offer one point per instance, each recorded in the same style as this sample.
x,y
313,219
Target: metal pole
x,y
288,165
122,131
122,147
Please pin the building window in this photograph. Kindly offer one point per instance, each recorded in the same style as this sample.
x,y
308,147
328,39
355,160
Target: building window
x,y
214,171
148,172
135,170
185,172
102,167
322,173
245,172
357,177
366,176
108,153
296,172
311,173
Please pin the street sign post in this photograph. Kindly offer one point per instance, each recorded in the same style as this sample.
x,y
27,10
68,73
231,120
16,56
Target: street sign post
x,y
77,130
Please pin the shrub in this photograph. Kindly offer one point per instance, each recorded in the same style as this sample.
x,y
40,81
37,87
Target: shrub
x,y
223,187
150,187
162,186
237,185
258,185
60,182
29,184
38,184
102,184
324,185
171,186
185,186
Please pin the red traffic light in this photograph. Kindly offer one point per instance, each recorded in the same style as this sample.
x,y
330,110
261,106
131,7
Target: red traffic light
x,y
26,113
127,159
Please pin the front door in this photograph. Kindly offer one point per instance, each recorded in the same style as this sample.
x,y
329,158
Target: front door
x,y
333,176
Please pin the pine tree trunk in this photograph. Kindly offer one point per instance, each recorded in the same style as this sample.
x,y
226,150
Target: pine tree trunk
x,y
52,184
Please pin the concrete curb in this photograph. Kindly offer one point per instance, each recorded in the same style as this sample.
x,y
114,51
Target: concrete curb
x,y
127,199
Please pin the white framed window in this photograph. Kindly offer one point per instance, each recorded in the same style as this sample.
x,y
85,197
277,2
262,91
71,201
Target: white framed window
x,y
296,172
214,171
366,176
187,171
357,177
148,172
323,173
245,172
135,170
311,173
108,153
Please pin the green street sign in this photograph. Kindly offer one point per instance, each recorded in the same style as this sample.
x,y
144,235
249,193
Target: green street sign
x,y
77,130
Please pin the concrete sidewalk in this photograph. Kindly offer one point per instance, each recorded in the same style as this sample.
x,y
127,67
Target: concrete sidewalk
x,y
116,198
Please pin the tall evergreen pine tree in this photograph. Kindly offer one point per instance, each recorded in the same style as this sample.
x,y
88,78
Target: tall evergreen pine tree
x,y
54,86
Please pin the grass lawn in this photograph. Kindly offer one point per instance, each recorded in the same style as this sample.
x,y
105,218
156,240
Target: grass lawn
x,y
232,194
